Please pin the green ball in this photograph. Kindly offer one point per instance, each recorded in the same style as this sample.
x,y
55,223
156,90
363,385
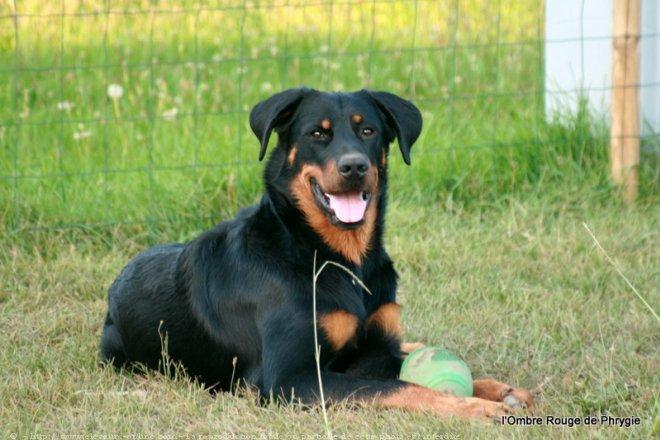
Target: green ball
x,y
439,369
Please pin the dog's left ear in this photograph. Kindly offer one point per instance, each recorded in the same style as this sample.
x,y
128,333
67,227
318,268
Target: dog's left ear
x,y
402,117
274,112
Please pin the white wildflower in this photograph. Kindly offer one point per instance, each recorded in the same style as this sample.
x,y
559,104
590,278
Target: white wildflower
x,y
64,105
170,114
82,134
115,91
266,86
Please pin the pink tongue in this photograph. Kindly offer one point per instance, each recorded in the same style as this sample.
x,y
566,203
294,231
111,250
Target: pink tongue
x,y
349,207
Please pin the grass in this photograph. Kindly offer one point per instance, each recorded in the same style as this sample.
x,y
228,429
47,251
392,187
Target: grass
x,y
519,291
485,227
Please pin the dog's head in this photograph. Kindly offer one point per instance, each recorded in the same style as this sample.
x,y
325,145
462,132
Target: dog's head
x,y
331,158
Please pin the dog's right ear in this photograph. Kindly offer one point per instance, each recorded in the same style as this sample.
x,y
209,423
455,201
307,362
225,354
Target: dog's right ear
x,y
274,112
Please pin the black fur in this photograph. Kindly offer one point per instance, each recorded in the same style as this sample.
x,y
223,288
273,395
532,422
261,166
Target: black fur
x,y
244,288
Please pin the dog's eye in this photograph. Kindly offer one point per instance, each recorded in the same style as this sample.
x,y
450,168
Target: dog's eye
x,y
367,131
318,134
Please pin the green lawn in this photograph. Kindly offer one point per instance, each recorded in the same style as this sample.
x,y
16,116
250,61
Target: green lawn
x,y
519,291
485,227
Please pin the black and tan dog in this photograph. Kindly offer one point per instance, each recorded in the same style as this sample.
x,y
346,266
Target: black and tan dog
x,y
237,301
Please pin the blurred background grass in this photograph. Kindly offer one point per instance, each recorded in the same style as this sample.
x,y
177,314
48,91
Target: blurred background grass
x,y
176,147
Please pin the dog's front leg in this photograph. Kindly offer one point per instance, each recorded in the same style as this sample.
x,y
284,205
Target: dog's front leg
x,y
289,372
489,389
380,353
395,394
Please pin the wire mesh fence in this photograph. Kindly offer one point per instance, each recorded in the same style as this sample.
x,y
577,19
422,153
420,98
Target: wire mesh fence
x,y
136,111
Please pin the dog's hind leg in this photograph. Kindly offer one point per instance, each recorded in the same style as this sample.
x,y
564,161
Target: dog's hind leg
x,y
112,346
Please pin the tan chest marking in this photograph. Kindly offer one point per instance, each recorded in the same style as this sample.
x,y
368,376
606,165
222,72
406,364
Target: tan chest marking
x,y
352,243
339,327
388,319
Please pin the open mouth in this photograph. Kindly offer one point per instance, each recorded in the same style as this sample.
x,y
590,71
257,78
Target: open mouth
x,y
346,209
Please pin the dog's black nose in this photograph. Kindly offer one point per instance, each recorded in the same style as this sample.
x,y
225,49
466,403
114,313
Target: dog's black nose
x,y
353,166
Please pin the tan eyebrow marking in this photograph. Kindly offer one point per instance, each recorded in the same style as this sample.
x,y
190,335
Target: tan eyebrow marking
x,y
325,124
292,154
357,118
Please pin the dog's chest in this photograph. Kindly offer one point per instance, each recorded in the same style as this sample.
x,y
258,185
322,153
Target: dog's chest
x,y
341,328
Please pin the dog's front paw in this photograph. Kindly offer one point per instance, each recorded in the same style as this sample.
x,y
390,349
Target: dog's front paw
x,y
518,398
486,410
